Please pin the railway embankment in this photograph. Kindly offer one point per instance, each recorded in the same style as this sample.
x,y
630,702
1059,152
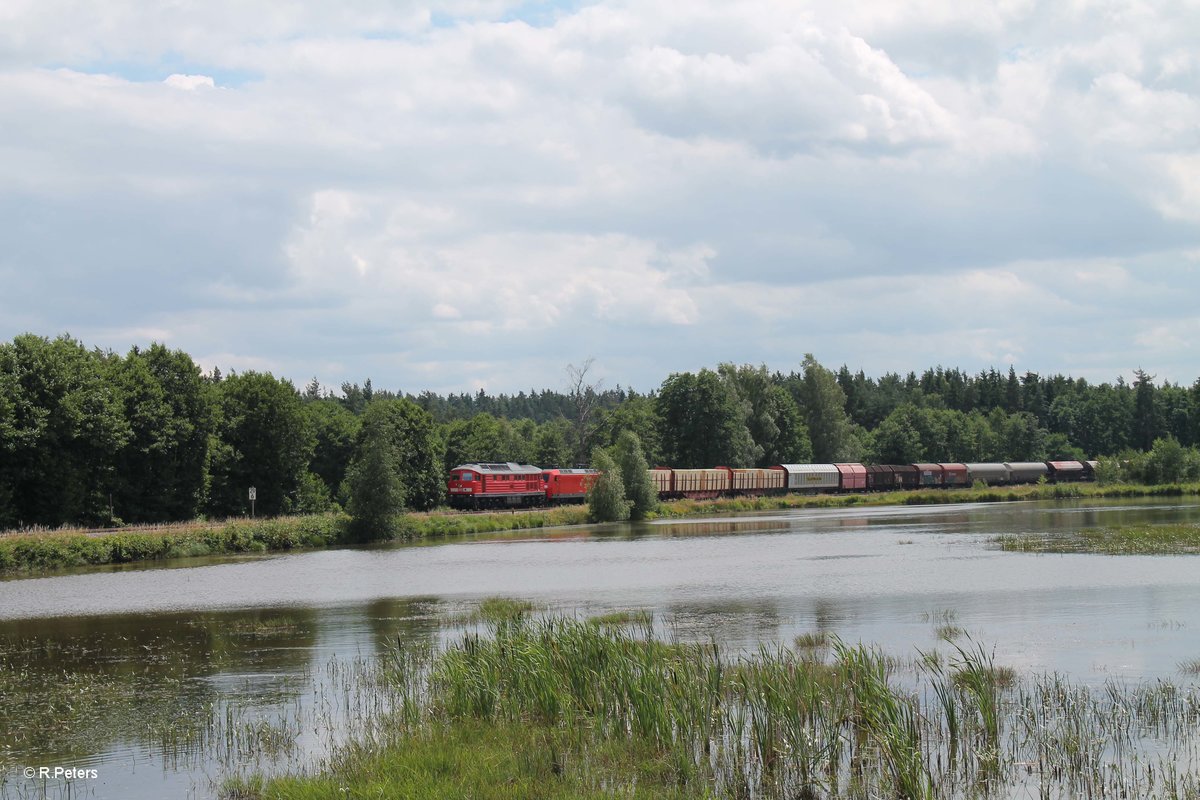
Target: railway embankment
x,y
26,553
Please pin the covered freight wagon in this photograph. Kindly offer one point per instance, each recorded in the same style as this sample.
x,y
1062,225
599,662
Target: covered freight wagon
x,y
954,474
1026,471
930,474
1066,471
853,477
907,476
881,478
811,477
991,474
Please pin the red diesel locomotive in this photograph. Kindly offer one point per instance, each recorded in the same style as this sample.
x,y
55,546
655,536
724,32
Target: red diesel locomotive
x,y
512,485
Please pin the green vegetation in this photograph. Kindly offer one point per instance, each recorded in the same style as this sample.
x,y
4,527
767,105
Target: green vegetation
x,y
624,489
641,618
1169,539
496,611
639,489
40,552
606,499
559,708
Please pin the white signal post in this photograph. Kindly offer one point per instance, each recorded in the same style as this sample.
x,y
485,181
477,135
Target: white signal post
x,y
253,497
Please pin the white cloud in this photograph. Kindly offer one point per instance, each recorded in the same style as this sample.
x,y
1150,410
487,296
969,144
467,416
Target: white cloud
x,y
189,82
376,182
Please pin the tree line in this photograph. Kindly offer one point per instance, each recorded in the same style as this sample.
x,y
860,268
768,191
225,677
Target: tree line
x,y
93,437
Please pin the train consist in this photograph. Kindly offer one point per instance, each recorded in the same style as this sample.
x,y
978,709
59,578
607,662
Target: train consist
x,y
489,485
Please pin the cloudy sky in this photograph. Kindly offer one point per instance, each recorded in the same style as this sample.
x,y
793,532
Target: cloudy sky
x,y
477,193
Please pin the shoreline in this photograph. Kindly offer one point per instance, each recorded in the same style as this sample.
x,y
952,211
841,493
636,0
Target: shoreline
x,y
43,552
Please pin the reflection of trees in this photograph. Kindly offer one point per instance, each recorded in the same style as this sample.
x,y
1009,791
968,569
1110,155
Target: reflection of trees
x,y
73,687
724,621
404,621
827,616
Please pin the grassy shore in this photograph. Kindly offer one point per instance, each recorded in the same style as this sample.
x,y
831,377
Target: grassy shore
x,y
42,551
1169,539
26,552
563,708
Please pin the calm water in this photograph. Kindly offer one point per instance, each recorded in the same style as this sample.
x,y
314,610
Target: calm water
x,y
167,680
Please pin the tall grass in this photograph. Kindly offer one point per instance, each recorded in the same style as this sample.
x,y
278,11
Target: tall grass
x,y
561,708
1137,539
39,552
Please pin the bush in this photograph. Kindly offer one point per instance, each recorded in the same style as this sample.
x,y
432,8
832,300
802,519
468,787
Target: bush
x,y
606,498
635,475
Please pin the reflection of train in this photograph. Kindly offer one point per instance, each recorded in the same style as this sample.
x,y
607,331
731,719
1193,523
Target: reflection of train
x,y
507,485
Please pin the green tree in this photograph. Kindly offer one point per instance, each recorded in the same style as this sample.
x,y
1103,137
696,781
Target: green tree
x,y
638,413
606,498
896,440
792,445
334,430
1021,438
64,425
1103,420
551,447
484,438
770,415
160,473
264,441
635,475
703,422
824,406
416,450
1146,424
1169,462
376,491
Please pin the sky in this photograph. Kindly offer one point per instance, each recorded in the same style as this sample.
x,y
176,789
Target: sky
x,y
478,193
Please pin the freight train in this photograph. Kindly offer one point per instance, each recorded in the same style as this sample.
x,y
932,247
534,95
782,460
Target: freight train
x,y
492,485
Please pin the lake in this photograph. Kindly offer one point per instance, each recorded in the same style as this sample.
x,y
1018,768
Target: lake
x,y
167,679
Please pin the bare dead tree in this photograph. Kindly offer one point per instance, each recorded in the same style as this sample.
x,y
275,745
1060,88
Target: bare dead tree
x,y
585,397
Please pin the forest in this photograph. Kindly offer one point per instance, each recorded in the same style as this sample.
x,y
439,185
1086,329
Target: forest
x,y
92,437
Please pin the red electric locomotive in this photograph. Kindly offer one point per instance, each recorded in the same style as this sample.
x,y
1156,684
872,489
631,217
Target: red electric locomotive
x,y
568,485
496,486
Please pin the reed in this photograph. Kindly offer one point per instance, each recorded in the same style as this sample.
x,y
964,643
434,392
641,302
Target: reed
x,y
1139,539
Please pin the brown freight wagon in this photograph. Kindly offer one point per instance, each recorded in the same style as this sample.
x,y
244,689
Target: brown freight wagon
x,y
930,475
954,474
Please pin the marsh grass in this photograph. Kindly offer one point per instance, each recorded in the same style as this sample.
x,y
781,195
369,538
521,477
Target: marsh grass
x,y
948,631
812,640
636,617
559,707
493,611
1140,539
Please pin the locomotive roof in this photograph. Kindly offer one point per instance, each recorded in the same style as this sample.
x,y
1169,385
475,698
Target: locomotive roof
x,y
509,468
575,471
